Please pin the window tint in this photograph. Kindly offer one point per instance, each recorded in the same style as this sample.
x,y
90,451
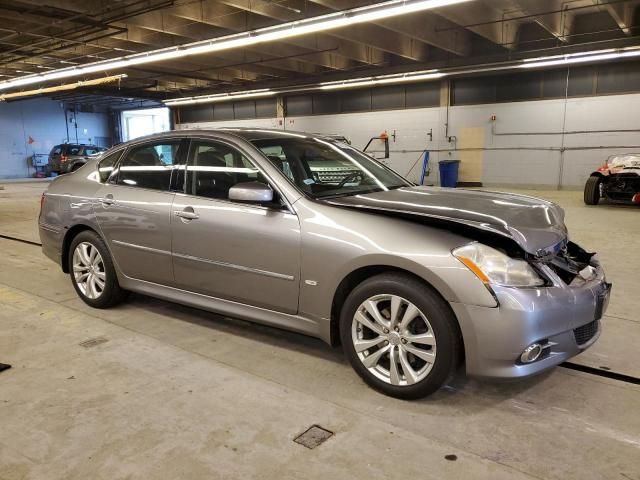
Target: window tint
x,y
73,149
149,166
57,150
214,168
276,154
324,168
105,167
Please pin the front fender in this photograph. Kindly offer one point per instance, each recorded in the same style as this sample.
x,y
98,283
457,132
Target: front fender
x,y
339,242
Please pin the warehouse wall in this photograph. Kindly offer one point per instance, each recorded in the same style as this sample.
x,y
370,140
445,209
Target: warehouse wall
x,y
35,126
504,159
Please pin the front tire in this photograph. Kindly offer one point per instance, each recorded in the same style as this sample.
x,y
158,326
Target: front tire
x,y
92,272
592,190
400,336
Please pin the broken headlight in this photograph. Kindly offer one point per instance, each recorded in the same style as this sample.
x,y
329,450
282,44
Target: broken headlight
x,y
493,267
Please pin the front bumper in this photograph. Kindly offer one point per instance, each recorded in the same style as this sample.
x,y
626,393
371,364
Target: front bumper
x,y
565,319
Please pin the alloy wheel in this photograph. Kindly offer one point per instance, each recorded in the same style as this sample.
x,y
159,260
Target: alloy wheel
x,y
88,270
394,340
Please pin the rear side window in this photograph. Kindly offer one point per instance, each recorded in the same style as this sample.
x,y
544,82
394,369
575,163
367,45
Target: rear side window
x,y
107,164
57,150
73,149
91,150
149,166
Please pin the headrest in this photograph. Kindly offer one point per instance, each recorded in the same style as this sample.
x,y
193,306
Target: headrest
x,y
210,158
277,161
145,158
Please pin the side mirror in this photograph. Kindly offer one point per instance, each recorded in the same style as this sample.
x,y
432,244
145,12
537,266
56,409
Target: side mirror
x,y
256,192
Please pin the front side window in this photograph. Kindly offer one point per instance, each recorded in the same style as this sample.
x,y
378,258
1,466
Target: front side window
x,y
213,168
328,168
149,166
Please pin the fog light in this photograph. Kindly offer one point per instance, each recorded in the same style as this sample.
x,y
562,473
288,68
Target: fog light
x,y
531,353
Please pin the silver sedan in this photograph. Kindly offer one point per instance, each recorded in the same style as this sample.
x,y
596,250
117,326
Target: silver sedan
x,y
306,233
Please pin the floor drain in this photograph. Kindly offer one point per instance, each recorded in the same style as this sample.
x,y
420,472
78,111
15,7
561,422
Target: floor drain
x,y
92,342
313,437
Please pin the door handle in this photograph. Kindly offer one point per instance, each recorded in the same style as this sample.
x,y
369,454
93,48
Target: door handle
x,y
186,214
107,200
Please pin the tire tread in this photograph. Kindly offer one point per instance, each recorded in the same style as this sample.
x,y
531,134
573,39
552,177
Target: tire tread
x,y
592,190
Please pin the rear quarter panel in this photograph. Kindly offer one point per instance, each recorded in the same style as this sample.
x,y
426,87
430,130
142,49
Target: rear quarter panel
x,y
68,202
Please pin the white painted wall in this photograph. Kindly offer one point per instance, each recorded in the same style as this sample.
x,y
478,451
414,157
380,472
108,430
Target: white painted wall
x,y
44,121
506,160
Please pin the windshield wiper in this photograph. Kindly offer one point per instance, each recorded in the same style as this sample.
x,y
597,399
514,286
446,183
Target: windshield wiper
x,y
349,194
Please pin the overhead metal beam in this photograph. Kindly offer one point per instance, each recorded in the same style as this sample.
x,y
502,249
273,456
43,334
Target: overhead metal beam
x,y
557,24
421,26
239,20
622,13
370,35
186,31
483,19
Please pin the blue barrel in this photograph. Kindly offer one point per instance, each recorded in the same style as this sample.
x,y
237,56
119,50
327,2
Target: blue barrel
x,y
449,173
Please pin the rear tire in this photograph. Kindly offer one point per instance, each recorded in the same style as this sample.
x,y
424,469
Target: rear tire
x,y
92,272
400,336
592,190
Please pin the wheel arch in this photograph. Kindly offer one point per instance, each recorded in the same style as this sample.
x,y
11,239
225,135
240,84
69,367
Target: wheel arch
x,y
357,276
66,242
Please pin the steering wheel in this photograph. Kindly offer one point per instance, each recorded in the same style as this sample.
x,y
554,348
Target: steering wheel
x,y
351,176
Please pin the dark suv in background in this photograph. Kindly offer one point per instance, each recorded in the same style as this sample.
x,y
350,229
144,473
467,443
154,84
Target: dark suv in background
x,y
69,157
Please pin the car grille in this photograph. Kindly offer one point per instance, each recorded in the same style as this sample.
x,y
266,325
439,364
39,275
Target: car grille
x,y
586,332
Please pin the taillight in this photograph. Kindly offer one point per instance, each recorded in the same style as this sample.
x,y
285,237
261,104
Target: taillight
x,y
63,158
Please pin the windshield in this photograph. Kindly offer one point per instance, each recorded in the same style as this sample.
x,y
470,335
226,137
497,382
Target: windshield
x,y
325,168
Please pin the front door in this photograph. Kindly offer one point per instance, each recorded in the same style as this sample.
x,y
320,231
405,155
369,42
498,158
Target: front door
x,y
134,211
248,253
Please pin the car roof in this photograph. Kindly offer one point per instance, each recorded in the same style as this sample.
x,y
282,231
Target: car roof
x,y
76,145
249,134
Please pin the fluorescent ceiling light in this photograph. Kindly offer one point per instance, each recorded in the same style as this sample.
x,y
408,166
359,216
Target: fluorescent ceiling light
x,y
356,82
369,13
572,58
60,88
383,79
220,97
594,56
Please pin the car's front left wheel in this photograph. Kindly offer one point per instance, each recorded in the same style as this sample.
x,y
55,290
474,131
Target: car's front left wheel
x,y
400,336
592,189
92,272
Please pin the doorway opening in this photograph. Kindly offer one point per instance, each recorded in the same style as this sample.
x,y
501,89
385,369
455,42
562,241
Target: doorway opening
x,y
138,123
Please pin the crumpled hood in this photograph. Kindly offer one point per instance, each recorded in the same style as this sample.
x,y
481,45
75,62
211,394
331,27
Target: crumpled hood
x,y
536,225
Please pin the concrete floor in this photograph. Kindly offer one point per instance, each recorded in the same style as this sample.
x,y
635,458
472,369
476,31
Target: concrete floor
x,y
179,393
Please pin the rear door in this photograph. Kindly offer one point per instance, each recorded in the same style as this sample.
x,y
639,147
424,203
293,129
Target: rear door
x,y
54,157
249,253
134,210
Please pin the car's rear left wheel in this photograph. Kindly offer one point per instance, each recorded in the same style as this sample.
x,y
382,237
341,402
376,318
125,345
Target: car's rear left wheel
x,y
400,336
92,272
